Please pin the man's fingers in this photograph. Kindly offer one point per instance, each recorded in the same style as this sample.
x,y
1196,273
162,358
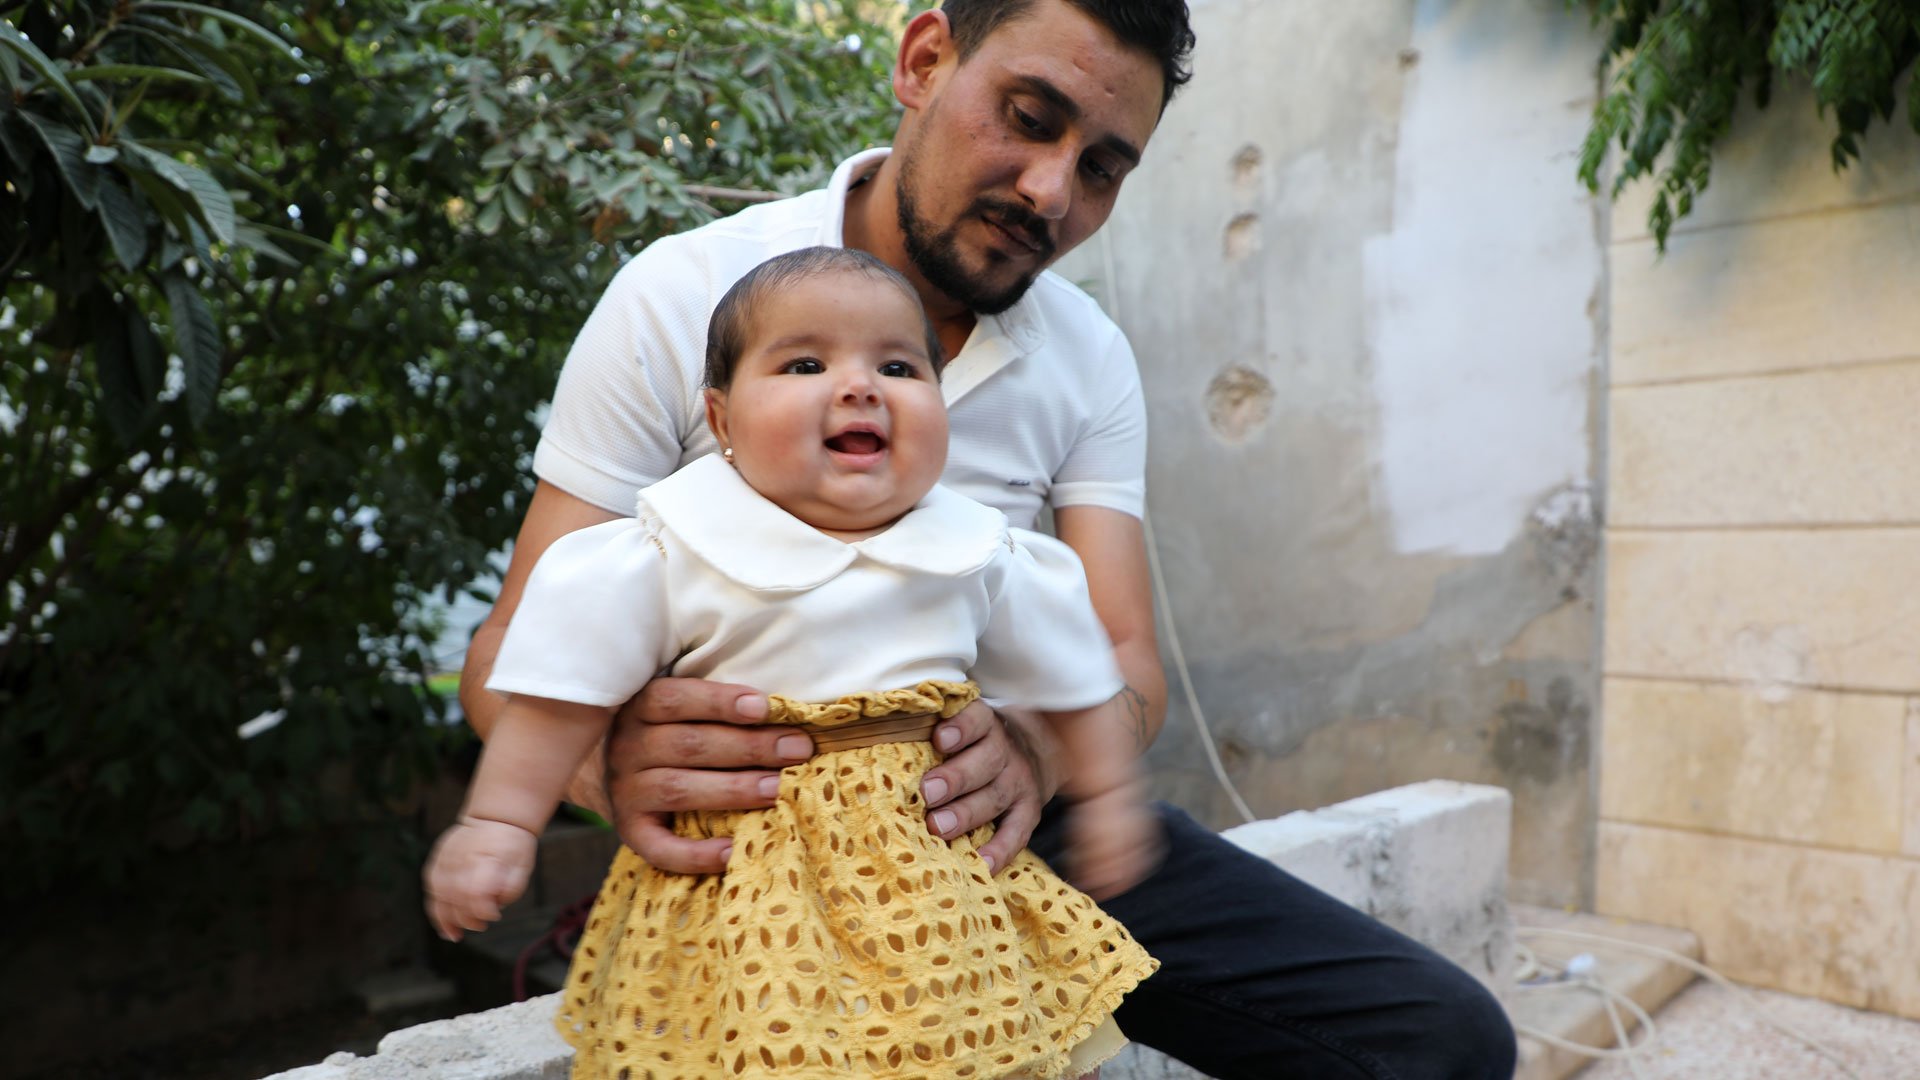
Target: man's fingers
x,y
665,790
983,757
969,812
691,745
668,700
1016,828
965,728
652,839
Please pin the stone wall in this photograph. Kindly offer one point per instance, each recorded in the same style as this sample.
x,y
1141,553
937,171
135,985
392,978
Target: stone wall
x,y
1364,287
1761,762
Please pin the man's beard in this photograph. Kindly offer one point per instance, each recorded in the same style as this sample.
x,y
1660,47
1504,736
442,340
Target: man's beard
x,y
936,252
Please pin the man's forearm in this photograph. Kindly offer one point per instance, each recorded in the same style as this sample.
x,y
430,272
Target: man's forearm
x,y
481,705
1143,702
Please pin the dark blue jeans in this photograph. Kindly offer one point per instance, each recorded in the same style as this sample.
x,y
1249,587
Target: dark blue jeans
x,y
1263,977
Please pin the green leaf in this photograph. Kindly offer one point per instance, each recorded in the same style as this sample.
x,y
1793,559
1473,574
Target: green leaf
x,y
498,156
13,39
289,236
126,225
20,153
122,402
70,156
102,155
210,201
231,19
197,340
136,71
166,199
488,220
253,239
10,69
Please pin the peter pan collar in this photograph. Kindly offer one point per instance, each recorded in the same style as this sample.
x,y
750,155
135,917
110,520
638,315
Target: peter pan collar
x,y
739,533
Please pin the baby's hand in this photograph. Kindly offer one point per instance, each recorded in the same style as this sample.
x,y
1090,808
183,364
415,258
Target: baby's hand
x,y
477,868
1115,840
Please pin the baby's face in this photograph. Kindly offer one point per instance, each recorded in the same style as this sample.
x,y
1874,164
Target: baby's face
x,y
835,413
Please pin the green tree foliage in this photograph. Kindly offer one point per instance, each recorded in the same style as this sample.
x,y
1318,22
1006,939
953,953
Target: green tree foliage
x,y
1679,67
281,287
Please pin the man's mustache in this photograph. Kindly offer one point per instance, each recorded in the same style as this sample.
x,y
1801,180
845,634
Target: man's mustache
x,y
1019,219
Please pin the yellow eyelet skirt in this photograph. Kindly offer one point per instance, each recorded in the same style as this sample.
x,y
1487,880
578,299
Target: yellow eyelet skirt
x,y
845,939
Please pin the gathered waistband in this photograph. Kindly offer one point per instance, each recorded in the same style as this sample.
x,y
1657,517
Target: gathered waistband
x,y
902,727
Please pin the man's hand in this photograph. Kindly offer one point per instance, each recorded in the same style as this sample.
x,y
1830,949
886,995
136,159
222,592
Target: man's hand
x,y
999,767
689,744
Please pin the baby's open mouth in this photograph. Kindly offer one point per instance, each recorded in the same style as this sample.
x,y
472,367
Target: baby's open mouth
x,y
857,442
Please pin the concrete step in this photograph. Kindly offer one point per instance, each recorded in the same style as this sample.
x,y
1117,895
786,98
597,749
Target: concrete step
x,y
1579,1015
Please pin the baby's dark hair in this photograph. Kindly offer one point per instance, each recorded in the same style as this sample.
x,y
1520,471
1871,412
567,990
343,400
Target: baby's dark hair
x,y
1158,27
732,326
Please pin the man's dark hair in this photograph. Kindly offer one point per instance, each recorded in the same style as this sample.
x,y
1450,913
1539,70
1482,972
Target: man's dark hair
x,y
1157,27
731,329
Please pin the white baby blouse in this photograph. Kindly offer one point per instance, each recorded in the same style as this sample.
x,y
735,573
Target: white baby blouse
x,y
711,580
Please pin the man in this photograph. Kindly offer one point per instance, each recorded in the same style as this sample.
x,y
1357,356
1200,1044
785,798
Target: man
x,y
1022,120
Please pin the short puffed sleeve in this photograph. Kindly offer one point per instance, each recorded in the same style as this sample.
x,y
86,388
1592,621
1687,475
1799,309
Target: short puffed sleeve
x,y
1044,647
593,625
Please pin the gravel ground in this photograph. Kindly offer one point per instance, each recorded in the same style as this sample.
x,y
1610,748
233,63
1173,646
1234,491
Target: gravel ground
x,y
1706,1034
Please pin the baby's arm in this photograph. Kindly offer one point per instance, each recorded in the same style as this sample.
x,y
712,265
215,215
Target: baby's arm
x,y
1114,837
482,863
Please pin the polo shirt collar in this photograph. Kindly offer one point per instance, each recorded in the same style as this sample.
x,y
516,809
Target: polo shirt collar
x,y
1019,326
745,537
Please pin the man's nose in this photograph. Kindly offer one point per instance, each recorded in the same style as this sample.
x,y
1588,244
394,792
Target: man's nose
x,y
1047,182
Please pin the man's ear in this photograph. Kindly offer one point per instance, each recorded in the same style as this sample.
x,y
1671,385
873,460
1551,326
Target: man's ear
x,y
927,42
717,415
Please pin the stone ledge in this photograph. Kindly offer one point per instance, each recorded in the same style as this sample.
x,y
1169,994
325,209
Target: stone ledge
x,y
1428,859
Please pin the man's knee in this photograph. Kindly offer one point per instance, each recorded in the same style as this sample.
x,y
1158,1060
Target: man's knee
x,y
1475,1039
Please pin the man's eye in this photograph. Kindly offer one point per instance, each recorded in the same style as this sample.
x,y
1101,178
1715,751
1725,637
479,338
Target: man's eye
x,y
898,369
1099,170
1028,122
803,366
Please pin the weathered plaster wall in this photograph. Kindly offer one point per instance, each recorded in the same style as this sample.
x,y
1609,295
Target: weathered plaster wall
x,y
1762,755
1363,285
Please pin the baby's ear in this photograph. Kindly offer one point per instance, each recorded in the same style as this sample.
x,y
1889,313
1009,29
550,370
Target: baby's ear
x,y
717,414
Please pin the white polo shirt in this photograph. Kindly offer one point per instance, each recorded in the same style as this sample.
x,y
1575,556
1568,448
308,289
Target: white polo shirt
x,y
711,580
1044,400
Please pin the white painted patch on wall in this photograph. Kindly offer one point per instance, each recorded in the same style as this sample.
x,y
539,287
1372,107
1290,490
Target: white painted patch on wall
x,y
1477,301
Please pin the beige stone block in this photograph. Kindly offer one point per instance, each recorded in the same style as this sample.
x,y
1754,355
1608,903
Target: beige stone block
x,y
1815,767
1835,925
1824,447
1911,770
1780,295
1775,162
1768,609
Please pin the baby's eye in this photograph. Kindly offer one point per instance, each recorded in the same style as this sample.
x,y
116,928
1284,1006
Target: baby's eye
x,y
806,365
898,369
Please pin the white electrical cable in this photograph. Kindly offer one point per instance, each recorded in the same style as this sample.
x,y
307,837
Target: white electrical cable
x,y
1741,996
1165,605
1567,977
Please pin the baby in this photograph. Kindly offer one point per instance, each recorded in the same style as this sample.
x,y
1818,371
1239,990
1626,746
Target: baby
x,y
817,556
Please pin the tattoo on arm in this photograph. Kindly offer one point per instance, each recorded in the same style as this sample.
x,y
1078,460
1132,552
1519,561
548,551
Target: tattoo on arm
x,y
1133,705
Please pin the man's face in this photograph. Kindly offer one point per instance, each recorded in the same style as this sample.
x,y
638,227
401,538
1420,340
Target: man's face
x,y
1020,151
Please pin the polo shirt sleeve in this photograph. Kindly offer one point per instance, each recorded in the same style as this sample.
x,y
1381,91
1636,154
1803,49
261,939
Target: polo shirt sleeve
x,y
593,625
1107,465
631,383
1044,647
